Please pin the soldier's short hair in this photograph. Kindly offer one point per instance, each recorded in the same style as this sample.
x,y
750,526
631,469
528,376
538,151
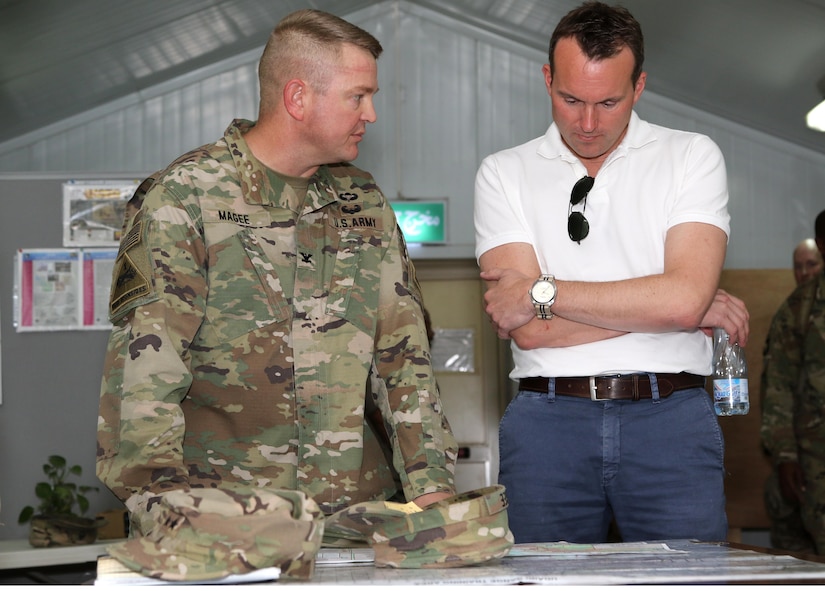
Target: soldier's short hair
x,y
307,44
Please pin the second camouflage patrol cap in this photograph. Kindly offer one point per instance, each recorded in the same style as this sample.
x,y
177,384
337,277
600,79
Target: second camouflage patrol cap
x,y
204,534
468,528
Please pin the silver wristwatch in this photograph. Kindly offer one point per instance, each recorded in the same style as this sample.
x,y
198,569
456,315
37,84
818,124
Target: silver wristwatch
x,y
543,294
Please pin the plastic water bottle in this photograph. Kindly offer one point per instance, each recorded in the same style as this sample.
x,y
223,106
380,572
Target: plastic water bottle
x,y
730,376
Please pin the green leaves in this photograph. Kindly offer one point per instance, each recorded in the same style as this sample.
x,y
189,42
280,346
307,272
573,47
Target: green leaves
x,y
58,497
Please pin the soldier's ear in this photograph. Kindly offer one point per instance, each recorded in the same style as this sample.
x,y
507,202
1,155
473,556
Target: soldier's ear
x,y
295,98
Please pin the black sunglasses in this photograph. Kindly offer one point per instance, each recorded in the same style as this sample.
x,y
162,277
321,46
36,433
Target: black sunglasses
x,y
577,226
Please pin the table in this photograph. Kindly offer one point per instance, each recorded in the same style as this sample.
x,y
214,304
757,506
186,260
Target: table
x,y
40,564
21,554
666,562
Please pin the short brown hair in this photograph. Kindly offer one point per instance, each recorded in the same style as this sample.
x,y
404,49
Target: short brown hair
x,y
307,43
601,31
819,226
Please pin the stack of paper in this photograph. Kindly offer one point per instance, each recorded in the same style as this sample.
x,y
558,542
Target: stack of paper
x,y
111,571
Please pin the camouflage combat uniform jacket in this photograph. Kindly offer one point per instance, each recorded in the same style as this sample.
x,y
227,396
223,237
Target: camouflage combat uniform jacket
x,y
246,324
793,407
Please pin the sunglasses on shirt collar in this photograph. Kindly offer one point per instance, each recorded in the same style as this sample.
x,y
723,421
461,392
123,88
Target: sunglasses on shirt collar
x,y
577,226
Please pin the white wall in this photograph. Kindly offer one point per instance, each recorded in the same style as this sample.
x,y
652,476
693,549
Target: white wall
x,y
776,188
450,94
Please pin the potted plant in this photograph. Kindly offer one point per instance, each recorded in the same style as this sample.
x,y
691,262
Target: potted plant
x,y
58,520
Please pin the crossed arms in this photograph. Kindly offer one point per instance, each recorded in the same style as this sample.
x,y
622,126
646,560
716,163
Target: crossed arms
x,y
684,297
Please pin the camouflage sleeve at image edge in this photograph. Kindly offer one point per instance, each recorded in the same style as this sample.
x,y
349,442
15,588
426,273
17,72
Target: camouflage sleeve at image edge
x,y
782,364
425,449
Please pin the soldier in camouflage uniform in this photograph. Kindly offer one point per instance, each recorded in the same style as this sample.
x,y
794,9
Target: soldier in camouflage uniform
x,y
251,306
793,431
787,530
807,261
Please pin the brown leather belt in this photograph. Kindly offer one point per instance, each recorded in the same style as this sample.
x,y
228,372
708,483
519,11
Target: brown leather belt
x,y
621,387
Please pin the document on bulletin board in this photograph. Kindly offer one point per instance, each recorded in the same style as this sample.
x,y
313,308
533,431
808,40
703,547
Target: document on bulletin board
x,y
62,289
47,289
93,211
98,266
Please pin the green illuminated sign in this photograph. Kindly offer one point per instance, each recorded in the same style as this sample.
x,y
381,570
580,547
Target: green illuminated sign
x,y
422,222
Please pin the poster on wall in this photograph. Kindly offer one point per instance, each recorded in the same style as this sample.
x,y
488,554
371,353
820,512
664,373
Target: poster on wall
x,y
98,265
47,284
62,289
93,211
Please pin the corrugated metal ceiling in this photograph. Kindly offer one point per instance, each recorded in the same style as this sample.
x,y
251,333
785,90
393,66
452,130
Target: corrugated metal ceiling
x,y
757,62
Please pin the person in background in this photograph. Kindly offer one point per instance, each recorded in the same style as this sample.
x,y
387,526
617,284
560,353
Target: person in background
x,y
601,244
793,431
261,281
807,261
787,531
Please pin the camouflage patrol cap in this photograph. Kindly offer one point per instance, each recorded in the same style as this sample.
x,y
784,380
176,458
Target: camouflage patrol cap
x,y
468,528
204,534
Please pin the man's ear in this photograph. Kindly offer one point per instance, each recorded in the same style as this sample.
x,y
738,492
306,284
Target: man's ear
x,y
295,98
640,87
548,76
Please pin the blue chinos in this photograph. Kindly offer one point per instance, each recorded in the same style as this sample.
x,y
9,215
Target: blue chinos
x,y
570,465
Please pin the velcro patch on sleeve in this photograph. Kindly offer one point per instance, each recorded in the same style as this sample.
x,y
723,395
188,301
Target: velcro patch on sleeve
x,y
132,283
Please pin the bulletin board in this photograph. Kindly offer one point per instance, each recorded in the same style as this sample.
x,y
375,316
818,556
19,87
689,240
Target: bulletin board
x,y
50,379
62,288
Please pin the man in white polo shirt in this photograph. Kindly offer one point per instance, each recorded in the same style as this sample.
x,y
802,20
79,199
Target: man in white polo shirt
x,y
602,243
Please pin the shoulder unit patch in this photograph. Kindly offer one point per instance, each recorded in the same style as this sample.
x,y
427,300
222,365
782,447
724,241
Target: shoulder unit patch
x,y
132,272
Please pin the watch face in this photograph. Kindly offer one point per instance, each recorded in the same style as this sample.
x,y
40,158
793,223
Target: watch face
x,y
543,292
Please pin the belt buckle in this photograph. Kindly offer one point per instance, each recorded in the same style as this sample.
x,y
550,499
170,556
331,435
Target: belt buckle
x,y
593,396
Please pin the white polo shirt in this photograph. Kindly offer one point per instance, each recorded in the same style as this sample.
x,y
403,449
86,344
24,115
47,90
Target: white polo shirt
x,y
655,179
